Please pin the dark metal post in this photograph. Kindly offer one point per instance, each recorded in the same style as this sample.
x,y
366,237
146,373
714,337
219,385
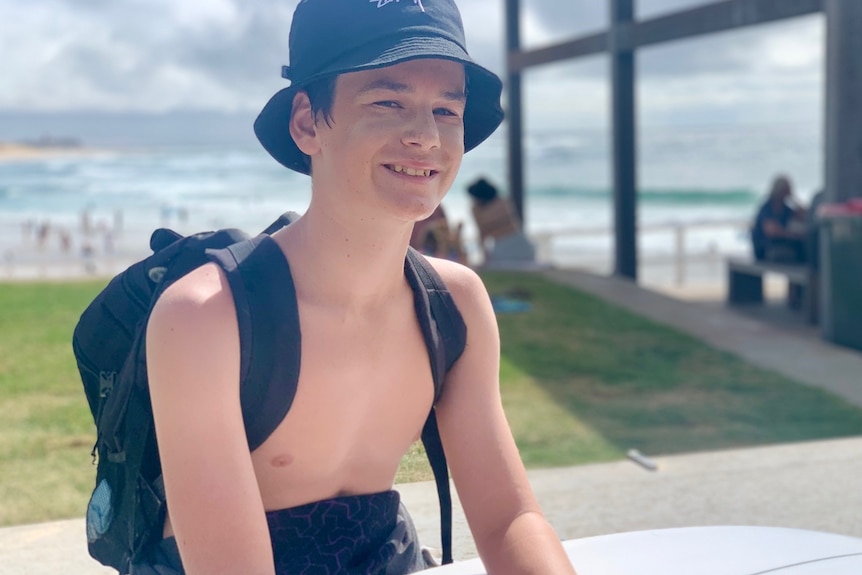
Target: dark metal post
x,y
513,111
840,271
843,178
624,143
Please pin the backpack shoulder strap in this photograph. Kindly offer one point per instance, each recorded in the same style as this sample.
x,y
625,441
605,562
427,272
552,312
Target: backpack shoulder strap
x,y
445,335
444,323
265,298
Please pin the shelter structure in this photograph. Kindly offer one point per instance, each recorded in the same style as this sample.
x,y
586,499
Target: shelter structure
x,y
625,35
843,135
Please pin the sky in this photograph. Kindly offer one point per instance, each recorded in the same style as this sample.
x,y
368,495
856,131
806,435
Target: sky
x,y
210,58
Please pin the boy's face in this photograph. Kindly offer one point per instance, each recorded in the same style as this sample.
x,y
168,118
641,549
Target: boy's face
x,y
396,136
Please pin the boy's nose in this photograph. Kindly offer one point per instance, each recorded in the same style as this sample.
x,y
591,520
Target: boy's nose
x,y
422,131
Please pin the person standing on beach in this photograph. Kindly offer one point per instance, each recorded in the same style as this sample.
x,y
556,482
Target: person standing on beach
x,y
384,101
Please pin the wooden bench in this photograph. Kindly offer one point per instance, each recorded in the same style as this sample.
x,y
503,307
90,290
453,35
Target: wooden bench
x,y
745,283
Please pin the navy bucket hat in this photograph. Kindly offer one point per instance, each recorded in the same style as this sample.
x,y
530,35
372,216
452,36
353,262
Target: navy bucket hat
x,y
331,37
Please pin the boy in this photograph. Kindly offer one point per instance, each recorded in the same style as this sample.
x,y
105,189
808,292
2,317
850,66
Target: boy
x,y
384,100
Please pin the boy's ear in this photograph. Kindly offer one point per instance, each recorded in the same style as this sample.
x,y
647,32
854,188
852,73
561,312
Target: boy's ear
x,y
303,129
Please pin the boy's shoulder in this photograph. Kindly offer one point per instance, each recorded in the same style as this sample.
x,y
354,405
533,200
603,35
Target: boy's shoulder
x,y
198,287
197,304
462,281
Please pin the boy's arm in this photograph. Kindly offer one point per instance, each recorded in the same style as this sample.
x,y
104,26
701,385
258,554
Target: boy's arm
x,y
511,533
214,502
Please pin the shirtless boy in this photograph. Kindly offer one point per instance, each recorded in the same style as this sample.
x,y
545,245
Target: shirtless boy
x,y
384,101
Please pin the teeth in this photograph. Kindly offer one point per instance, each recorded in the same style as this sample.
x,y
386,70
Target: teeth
x,y
411,171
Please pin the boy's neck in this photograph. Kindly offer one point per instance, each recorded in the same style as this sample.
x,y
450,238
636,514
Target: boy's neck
x,y
344,260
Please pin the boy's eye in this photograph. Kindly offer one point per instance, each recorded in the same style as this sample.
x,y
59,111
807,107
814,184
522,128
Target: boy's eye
x,y
387,104
445,112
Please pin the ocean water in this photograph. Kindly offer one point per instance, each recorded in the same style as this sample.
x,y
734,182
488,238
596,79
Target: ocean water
x,y
697,185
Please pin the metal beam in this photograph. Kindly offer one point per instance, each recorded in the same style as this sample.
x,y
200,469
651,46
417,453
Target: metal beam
x,y
514,117
718,17
624,143
708,19
586,46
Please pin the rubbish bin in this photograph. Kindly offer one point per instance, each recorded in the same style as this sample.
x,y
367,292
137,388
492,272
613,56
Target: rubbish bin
x,y
841,269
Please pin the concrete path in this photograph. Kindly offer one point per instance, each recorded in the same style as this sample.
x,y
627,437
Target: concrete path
x,y
812,485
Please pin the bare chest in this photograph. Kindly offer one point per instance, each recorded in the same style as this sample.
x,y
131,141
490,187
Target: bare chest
x,y
364,391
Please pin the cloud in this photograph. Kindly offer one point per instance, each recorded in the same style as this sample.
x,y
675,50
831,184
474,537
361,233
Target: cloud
x,y
549,21
484,27
225,55
143,55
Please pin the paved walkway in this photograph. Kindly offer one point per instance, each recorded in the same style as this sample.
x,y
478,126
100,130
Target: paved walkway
x,y
812,485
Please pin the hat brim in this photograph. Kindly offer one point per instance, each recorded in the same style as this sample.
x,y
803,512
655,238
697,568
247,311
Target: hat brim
x,y
482,113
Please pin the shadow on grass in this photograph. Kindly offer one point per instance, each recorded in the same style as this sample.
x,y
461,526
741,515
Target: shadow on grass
x,y
584,381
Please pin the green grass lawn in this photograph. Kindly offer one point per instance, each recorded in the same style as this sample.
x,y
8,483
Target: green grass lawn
x,y
46,431
599,381
582,382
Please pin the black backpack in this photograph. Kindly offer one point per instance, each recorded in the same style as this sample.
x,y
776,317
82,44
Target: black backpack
x,y
127,508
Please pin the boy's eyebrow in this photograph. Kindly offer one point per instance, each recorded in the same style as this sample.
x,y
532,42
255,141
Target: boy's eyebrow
x,y
385,84
390,85
457,95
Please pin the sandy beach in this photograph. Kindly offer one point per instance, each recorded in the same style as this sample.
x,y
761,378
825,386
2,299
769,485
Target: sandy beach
x,y
69,254
51,249
11,151
60,254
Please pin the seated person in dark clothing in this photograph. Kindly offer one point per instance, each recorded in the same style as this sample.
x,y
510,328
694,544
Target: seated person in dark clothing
x,y
779,232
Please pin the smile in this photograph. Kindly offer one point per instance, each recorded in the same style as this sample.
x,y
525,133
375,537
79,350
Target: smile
x,y
410,171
